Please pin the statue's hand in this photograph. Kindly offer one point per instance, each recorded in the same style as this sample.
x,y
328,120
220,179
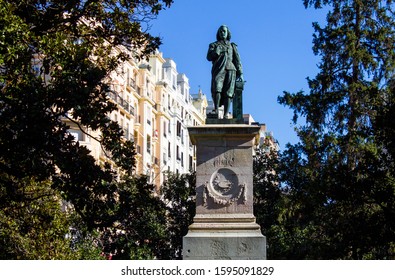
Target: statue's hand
x,y
240,78
220,49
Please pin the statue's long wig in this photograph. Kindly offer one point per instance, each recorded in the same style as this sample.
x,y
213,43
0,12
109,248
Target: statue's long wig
x,y
229,35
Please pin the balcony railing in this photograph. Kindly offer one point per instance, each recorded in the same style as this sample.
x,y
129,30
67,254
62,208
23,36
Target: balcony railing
x,y
121,102
138,120
127,134
132,83
112,95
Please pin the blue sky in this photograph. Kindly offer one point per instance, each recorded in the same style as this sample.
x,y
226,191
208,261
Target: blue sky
x,y
274,39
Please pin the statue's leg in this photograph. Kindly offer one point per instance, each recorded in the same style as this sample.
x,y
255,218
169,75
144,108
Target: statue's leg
x,y
226,107
229,87
216,88
214,97
217,100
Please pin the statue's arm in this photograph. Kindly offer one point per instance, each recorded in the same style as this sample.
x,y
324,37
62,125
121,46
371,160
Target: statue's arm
x,y
213,52
237,61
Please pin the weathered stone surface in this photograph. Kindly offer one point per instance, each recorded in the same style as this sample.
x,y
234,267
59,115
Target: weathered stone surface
x,y
224,246
224,226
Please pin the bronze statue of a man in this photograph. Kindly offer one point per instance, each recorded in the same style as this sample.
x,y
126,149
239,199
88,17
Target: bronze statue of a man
x,y
225,71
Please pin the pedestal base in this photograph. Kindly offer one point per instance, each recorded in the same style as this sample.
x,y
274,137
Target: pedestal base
x,y
224,238
224,246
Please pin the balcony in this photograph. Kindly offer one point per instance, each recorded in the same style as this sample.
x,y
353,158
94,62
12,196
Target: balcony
x,y
139,91
131,110
127,135
137,123
112,95
132,84
124,104
121,102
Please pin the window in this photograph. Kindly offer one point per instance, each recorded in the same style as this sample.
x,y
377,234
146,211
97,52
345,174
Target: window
x,y
148,110
174,81
164,158
190,163
178,153
126,133
179,129
148,144
77,134
148,88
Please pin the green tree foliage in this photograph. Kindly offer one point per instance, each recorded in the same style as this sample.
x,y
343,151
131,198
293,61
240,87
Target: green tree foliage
x,y
140,231
178,193
156,226
267,196
55,57
35,227
340,177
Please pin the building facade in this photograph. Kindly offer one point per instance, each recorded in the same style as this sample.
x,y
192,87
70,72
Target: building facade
x,y
154,109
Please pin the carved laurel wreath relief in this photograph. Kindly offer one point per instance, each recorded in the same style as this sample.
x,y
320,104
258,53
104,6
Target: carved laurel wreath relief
x,y
224,188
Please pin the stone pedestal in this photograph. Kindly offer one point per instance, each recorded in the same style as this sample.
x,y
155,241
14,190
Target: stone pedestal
x,y
224,226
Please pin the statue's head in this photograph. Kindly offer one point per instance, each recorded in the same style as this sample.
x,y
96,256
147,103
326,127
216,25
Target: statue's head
x,y
220,31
